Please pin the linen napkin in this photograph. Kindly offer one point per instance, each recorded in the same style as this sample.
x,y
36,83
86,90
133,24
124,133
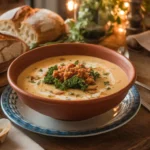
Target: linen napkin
x,y
145,97
139,40
17,140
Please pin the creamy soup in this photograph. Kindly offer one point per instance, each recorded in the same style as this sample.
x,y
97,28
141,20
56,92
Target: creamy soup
x,y
72,77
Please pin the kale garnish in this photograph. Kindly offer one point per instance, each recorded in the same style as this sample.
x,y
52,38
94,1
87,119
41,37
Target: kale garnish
x,y
41,70
94,74
49,79
74,82
106,83
76,62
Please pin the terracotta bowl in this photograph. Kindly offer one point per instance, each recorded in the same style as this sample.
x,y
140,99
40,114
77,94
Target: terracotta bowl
x,y
77,109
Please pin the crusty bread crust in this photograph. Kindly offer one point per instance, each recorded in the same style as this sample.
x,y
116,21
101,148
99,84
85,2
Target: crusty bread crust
x,y
21,14
6,37
33,26
11,47
11,20
47,25
17,14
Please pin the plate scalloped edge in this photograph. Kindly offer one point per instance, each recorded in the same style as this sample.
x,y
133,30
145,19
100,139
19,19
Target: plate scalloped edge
x,y
19,120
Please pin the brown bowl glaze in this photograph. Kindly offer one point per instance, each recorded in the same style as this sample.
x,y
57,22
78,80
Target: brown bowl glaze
x,y
77,109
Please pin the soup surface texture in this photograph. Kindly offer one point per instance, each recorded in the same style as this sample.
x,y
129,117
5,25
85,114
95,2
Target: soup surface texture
x,y
72,77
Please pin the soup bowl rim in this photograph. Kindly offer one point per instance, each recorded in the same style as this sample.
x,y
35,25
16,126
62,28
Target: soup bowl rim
x,y
75,101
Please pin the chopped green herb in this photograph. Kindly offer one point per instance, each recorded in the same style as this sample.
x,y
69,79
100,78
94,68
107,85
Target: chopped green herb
x,y
59,85
73,82
106,73
41,70
32,81
108,88
94,74
49,79
106,83
76,83
76,62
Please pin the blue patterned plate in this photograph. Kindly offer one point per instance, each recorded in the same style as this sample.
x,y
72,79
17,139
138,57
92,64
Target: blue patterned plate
x,y
31,120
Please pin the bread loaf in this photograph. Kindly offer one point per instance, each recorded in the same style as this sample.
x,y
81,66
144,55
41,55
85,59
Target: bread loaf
x,y
41,26
33,26
11,20
10,48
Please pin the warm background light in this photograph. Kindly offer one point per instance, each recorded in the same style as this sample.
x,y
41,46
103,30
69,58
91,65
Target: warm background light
x,y
126,4
71,5
120,29
121,12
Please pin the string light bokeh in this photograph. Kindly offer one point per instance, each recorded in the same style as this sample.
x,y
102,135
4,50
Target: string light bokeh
x,y
72,5
121,28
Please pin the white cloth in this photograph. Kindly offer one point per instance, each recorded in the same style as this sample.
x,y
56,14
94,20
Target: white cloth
x,y
17,140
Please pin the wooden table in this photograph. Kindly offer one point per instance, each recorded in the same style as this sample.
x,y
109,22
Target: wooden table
x,y
135,135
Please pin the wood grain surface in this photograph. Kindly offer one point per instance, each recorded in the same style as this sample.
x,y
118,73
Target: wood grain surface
x,y
135,135
3,79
